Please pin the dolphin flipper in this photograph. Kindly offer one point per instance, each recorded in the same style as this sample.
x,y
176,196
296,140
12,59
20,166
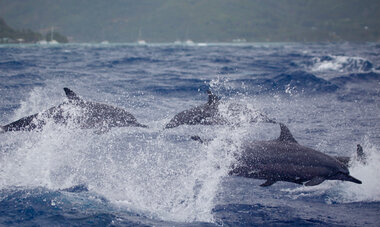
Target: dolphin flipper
x,y
315,181
267,183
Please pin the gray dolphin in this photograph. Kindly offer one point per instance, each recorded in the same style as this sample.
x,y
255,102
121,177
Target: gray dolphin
x,y
208,114
284,159
91,115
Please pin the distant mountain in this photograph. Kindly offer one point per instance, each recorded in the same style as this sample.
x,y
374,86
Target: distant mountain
x,y
10,35
199,20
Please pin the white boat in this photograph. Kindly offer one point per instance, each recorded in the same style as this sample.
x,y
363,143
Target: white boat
x,y
52,41
141,42
42,42
189,42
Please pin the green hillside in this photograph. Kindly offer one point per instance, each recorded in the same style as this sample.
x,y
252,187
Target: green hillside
x,y
199,20
10,35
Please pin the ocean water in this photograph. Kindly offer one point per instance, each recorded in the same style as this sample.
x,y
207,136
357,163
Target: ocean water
x,y
327,94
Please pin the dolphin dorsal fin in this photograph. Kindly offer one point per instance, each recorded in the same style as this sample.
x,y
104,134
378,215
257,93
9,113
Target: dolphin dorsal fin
x,y
286,135
71,95
212,99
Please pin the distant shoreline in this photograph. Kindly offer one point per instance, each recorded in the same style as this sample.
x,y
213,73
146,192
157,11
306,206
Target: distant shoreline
x,y
176,44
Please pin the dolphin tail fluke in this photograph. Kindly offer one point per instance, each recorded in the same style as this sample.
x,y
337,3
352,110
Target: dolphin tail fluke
x,y
360,155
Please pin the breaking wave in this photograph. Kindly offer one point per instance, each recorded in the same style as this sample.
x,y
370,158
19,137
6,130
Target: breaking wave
x,y
340,64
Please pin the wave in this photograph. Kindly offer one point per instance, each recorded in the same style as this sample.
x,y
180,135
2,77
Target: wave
x,y
22,80
128,60
301,82
41,206
340,64
15,65
158,177
297,82
357,78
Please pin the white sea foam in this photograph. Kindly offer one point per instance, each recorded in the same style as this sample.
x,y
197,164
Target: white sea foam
x,y
368,173
158,173
348,192
340,64
162,174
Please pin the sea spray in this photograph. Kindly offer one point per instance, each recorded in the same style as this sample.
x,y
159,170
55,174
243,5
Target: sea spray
x,y
368,172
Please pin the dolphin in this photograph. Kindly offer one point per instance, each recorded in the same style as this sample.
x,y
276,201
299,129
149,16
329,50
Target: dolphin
x,y
206,114
90,115
209,114
284,159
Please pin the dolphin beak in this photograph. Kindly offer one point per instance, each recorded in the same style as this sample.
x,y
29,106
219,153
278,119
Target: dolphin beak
x,y
345,177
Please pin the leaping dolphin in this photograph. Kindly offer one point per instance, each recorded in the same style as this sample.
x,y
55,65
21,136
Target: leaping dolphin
x,y
90,115
206,114
284,159
209,114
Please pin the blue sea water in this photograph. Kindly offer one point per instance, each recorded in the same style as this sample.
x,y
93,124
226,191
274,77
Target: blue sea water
x,y
327,94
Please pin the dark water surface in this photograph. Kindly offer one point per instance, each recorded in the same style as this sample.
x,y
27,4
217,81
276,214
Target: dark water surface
x,y
328,95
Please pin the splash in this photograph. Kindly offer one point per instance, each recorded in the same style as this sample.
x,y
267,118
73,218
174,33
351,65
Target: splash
x,y
346,192
368,173
160,174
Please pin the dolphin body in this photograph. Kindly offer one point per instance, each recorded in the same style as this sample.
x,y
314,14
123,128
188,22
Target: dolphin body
x,y
284,159
208,114
91,115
